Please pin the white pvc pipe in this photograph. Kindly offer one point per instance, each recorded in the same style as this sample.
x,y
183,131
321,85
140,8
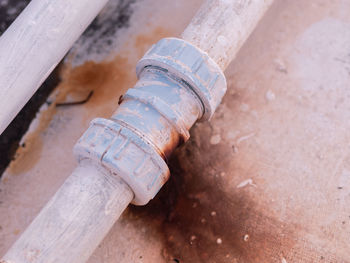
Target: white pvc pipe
x,y
220,27
75,220
34,44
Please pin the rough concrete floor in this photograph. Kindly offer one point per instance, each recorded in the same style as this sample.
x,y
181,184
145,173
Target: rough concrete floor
x,y
267,180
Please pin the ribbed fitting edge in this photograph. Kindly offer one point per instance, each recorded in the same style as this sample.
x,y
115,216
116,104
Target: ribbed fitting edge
x,y
155,115
193,66
124,153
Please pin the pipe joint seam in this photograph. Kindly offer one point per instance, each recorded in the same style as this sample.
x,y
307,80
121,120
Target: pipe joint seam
x,y
193,66
126,155
178,85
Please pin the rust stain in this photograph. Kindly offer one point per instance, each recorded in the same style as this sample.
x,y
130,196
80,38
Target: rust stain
x,y
28,154
144,41
108,80
199,221
196,218
174,141
27,157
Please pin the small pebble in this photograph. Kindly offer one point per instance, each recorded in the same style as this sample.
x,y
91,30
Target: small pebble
x,y
213,213
245,183
270,96
193,238
246,238
219,241
280,66
215,139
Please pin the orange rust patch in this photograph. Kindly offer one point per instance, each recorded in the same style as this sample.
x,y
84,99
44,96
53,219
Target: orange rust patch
x,y
174,141
144,42
27,157
200,221
108,81
29,154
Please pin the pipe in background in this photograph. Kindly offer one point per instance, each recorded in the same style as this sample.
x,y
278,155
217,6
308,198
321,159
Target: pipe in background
x,y
221,27
34,44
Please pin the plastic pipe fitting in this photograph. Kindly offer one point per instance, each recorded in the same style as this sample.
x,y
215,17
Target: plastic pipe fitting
x,y
178,85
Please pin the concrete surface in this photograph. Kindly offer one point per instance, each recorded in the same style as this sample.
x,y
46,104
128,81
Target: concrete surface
x,y
267,180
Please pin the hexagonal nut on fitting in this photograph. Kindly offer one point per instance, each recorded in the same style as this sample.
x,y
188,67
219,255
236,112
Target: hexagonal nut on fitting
x,y
191,65
126,155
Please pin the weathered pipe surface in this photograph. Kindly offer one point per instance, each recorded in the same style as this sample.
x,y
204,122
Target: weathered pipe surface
x,y
164,118
178,85
96,200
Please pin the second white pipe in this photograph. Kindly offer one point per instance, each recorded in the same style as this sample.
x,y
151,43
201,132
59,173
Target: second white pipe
x,y
75,220
220,27
34,44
